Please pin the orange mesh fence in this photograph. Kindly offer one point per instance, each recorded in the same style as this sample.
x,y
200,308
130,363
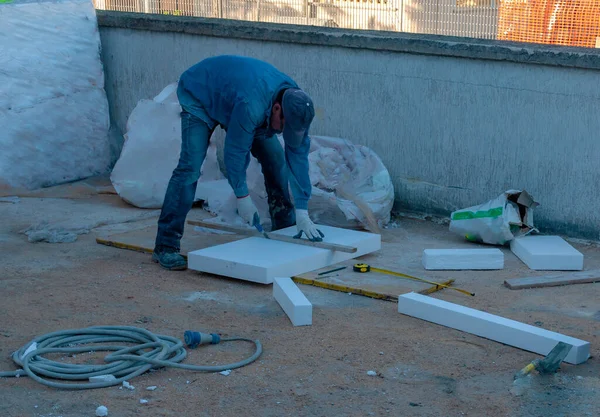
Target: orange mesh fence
x,y
560,22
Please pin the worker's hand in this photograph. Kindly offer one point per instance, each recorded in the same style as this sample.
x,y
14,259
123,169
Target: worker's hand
x,y
305,224
246,209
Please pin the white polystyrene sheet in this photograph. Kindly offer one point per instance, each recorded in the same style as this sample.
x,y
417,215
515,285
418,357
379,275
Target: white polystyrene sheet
x,y
500,329
547,253
292,301
53,107
261,260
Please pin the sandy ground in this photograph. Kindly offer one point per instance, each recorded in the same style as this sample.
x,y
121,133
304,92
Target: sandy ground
x,y
319,370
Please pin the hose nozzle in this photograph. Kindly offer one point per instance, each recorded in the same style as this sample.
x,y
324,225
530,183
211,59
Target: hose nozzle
x,y
194,339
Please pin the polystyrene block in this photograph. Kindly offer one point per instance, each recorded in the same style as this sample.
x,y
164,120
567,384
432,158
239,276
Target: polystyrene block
x,y
293,302
547,253
258,259
454,259
489,326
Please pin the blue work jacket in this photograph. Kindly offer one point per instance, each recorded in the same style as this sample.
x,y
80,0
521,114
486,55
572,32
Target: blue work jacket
x,y
238,93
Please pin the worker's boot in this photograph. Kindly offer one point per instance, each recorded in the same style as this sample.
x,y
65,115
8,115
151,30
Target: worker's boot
x,y
169,258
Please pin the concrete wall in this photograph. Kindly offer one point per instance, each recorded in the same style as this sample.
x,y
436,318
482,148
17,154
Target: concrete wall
x,y
456,121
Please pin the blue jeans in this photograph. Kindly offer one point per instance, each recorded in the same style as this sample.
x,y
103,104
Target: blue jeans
x,y
195,137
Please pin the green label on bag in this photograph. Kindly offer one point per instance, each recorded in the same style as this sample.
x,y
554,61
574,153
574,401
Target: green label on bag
x,y
468,215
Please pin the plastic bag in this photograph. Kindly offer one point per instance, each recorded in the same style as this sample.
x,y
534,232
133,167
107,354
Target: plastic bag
x,y
151,152
53,107
497,221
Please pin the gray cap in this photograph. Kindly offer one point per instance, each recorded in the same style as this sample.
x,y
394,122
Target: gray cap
x,y
299,112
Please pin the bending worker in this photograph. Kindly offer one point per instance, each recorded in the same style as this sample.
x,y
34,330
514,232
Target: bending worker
x,y
252,101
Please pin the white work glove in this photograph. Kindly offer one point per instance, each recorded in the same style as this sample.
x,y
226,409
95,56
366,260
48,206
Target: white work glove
x,y
246,209
305,224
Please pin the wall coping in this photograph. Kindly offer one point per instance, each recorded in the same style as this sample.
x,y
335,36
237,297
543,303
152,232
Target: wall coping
x,y
411,43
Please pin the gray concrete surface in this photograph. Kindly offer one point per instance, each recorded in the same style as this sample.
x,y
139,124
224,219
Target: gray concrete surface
x,y
320,370
456,123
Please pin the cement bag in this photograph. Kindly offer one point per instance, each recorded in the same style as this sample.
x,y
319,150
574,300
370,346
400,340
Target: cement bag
x,y
498,221
151,151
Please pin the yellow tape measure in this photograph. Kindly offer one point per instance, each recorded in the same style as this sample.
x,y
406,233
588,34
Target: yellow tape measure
x,y
367,268
361,268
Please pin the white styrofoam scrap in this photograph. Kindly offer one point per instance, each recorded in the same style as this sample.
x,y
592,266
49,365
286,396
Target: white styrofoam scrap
x,y
128,385
102,378
143,401
151,152
151,388
226,372
293,302
461,259
53,106
489,326
101,411
260,260
371,373
547,253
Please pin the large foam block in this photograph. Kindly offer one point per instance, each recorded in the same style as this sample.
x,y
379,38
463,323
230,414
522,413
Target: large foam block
x,y
53,107
458,259
258,259
547,253
489,326
292,301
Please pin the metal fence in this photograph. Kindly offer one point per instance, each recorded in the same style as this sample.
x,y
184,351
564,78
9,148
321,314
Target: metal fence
x,y
562,22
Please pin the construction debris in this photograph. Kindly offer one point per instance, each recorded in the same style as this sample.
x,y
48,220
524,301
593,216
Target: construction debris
x,y
128,385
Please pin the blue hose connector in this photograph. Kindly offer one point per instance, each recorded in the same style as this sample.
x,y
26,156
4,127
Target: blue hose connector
x,y
194,339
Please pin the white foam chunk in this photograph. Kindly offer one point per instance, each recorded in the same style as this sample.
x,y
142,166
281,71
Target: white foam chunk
x,y
53,107
547,253
101,411
489,326
293,302
457,259
258,259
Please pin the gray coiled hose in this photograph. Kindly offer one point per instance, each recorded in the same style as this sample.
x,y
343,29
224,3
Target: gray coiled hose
x,y
125,363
